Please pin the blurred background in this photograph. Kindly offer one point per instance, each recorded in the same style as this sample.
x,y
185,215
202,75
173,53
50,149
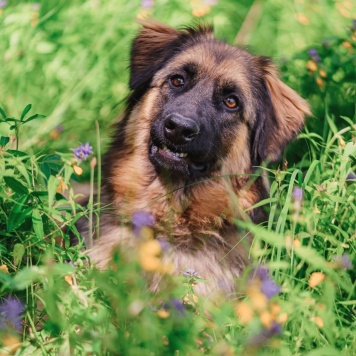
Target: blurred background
x,y
69,59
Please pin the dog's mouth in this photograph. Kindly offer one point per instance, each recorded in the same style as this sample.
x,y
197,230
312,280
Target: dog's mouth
x,y
176,160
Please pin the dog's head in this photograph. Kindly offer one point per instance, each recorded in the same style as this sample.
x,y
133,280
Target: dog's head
x,y
207,99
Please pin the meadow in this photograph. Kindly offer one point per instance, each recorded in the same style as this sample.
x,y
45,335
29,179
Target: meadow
x,y
63,75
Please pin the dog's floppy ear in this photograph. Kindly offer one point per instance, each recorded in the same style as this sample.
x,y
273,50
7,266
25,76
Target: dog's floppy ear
x,y
280,117
149,51
155,44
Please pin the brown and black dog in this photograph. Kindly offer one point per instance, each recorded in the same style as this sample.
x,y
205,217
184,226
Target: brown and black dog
x,y
201,115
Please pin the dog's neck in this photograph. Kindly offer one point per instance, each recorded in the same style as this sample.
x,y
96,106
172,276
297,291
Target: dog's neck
x,y
134,186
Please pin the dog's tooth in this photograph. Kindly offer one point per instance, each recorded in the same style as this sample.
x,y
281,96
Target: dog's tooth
x,y
164,148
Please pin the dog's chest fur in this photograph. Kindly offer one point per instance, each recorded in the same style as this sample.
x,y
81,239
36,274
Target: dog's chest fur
x,y
196,221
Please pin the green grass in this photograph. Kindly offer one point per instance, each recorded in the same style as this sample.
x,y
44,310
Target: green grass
x,y
69,60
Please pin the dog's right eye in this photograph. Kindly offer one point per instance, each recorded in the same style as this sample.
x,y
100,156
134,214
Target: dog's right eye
x,y
177,81
231,102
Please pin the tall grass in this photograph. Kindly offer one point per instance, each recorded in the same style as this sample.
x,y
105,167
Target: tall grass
x,y
69,61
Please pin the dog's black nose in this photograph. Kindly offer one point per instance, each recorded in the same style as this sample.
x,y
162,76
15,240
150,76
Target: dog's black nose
x,y
180,129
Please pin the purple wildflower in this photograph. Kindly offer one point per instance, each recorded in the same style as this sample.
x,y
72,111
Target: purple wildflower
x,y
261,272
36,6
313,54
11,311
343,261
268,287
83,151
266,334
3,3
351,176
147,4
178,305
354,24
210,2
141,219
165,245
297,194
190,273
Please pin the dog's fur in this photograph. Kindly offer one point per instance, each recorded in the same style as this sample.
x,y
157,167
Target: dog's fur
x,y
194,199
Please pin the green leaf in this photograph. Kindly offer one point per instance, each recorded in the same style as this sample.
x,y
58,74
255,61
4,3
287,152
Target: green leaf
x,y
18,214
50,163
68,171
52,186
15,185
348,302
6,281
315,164
53,158
26,277
45,169
19,251
331,123
33,117
22,169
325,351
17,153
37,223
2,113
262,203
61,269
272,238
25,111
4,141
310,256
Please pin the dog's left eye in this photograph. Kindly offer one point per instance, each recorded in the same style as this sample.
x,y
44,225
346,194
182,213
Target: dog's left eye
x,y
231,102
177,81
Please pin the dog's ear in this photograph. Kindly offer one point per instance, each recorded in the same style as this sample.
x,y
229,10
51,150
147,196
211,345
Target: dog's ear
x,y
149,50
280,115
154,45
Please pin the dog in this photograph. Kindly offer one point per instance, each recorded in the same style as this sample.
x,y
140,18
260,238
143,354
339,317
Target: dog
x,y
200,117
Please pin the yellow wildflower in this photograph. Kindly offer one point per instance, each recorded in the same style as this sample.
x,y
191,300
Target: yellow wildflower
x,y
69,280
318,321
322,73
244,312
4,269
320,82
316,278
163,314
266,319
77,170
311,65
302,19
